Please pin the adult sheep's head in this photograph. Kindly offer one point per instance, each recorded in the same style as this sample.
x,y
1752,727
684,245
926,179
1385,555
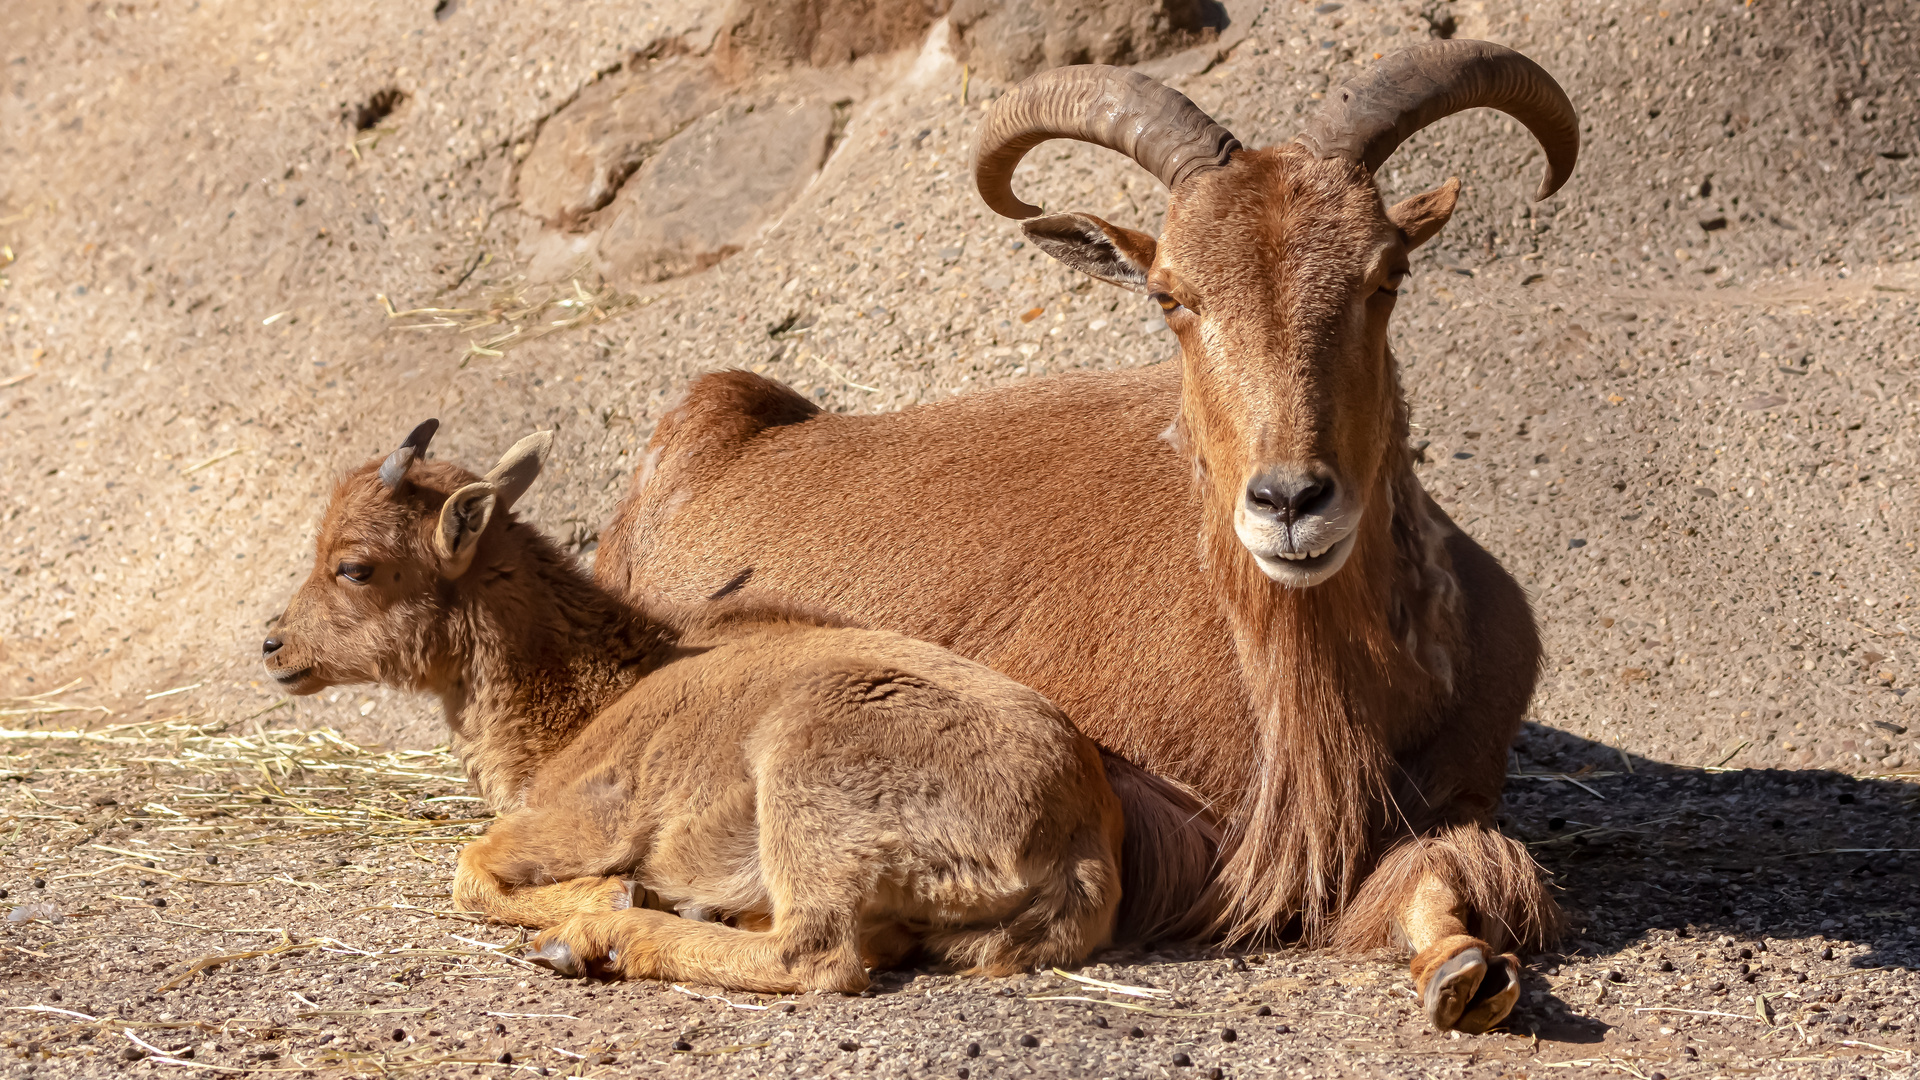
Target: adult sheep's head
x,y
1277,270
398,541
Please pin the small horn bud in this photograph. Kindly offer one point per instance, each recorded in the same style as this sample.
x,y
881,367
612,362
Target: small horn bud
x,y
394,469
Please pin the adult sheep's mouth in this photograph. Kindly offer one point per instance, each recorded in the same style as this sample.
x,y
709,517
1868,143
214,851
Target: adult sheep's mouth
x,y
1300,569
288,678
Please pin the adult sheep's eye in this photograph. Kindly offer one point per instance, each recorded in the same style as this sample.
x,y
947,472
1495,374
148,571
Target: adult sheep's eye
x,y
1395,279
355,571
1167,303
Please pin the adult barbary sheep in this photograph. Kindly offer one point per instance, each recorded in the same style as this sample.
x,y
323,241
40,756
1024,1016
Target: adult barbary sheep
x,y
856,795
1224,570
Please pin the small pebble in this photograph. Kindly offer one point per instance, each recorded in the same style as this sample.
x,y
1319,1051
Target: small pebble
x,y
131,1054
148,863
1215,1073
1746,954
849,1045
1228,1034
399,1034
1182,1060
787,1007
1099,1021
973,1050
683,1045
1825,954
1282,1029
505,1058
499,1028
3,894
39,883
1263,1010
213,860
159,901
963,1072
1666,965
1136,1032
1029,1041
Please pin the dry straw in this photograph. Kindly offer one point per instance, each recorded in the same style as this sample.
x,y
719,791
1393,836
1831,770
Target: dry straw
x,y
514,312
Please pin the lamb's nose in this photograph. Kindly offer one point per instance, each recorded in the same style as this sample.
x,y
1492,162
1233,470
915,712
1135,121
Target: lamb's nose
x,y
271,646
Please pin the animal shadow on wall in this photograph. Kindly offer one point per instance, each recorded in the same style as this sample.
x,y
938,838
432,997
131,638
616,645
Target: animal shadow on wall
x,y
1638,845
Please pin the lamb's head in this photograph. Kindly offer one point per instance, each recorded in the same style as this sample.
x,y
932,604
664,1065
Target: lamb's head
x,y
1277,270
399,543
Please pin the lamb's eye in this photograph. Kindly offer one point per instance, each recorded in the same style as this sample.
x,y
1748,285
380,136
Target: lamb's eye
x,y
355,571
1167,303
1395,279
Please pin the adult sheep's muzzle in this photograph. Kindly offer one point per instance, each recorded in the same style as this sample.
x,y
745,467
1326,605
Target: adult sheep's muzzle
x,y
1298,524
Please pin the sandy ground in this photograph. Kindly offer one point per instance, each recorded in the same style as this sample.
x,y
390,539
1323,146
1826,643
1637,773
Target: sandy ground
x,y
1677,401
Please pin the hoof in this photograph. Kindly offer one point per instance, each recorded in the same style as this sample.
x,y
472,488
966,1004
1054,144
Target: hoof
x,y
557,956
1452,987
1494,998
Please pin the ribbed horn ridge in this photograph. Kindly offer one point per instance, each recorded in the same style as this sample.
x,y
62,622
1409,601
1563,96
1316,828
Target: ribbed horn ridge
x,y
1369,117
1122,110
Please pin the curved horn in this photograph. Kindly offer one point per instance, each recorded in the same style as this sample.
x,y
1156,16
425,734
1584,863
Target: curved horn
x,y
1370,116
394,469
1122,110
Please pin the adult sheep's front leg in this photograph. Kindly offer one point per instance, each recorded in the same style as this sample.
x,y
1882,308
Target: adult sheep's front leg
x,y
1456,899
1463,983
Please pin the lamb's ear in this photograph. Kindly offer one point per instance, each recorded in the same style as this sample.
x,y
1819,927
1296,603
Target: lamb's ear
x,y
1422,216
1095,248
462,520
516,471
394,469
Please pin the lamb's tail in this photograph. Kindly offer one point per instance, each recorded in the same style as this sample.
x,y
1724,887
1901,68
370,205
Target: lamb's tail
x,y
1169,859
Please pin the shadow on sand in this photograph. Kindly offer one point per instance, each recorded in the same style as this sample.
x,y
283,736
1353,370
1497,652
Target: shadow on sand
x,y
1645,849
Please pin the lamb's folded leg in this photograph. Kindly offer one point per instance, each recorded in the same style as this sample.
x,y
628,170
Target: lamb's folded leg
x,y
513,875
644,944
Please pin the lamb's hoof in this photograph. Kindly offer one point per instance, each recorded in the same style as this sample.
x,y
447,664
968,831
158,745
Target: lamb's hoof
x,y
1468,993
557,956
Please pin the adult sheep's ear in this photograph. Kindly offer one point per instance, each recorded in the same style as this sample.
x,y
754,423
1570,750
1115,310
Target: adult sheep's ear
x,y
516,471
1422,216
394,469
1096,248
462,519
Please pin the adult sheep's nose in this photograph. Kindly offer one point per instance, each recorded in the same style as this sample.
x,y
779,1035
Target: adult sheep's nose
x,y
1286,496
271,646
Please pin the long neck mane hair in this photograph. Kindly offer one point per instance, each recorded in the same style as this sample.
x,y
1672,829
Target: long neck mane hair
x,y
1334,674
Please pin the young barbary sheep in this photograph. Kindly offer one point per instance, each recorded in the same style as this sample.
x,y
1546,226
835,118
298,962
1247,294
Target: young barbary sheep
x,y
812,798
